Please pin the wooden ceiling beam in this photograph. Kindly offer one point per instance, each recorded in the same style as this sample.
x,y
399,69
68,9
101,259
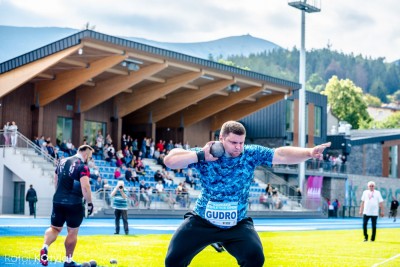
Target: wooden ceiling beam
x,y
13,79
175,102
208,107
89,97
240,111
66,81
148,94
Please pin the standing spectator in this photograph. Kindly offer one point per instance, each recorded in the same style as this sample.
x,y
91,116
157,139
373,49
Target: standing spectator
x,y
117,173
299,197
31,197
371,201
336,206
135,149
13,129
120,206
393,208
6,134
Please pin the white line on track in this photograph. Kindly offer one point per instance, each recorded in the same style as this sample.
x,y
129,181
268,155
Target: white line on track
x,y
380,263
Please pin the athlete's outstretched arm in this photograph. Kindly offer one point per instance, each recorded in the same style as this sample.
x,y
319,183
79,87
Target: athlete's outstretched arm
x,y
295,155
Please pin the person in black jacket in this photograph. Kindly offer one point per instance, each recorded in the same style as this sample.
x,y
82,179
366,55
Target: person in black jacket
x,y
31,197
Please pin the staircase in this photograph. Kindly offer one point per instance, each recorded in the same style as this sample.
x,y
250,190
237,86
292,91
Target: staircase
x,y
26,163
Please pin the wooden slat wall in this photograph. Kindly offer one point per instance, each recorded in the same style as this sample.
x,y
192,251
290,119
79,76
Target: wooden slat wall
x,y
16,106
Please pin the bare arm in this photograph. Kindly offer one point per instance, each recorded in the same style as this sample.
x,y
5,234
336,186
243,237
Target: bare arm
x,y
85,185
381,209
361,208
295,155
179,158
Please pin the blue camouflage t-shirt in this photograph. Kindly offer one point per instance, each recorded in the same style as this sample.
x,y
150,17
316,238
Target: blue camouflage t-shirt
x,y
226,184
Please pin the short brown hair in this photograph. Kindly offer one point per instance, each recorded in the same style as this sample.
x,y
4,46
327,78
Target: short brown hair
x,y
232,127
85,147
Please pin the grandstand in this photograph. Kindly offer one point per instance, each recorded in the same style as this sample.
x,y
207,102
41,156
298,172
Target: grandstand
x,y
26,164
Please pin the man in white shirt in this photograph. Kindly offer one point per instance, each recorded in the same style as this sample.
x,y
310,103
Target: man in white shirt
x,y
371,202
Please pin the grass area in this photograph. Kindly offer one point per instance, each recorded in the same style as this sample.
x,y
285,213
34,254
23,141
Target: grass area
x,y
302,248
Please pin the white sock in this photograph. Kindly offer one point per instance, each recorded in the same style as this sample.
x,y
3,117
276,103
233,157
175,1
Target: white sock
x,y
46,246
68,259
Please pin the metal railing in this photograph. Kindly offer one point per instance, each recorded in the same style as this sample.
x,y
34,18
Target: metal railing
x,y
21,143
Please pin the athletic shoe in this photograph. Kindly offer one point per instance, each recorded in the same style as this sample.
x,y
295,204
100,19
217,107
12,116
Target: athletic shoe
x,y
71,264
43,257
365,240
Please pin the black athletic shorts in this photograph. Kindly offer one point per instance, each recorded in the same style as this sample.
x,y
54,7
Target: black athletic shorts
x,y
72,214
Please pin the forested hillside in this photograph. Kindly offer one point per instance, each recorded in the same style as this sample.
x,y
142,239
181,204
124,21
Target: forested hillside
x,y
373,76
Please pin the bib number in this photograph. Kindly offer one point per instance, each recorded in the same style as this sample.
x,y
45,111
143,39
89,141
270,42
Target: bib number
x,y
222,213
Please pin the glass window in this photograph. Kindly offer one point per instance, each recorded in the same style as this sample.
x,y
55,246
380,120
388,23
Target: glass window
x,y
90,131
64,129
317,121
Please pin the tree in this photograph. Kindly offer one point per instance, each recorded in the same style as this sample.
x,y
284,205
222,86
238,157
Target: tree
x,y
372,101
346,101
392,122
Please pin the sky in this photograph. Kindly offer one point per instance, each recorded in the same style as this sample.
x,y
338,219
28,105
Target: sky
x,y
367,27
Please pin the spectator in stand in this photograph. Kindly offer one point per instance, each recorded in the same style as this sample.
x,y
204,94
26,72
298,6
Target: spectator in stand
x,y
158,177
152,149
51,150
71,147
98,184
117,173
148,143
170,145
189,178
111,152
109,139
127,155
186,146
159,187
124,141
149,192
179,145
99,140
160,160
142,185
135,148
119,156
160,145
167,178
144,197
6,134
156,154
128,174
13,130
140,166
64,148
106,192
143,147
44,148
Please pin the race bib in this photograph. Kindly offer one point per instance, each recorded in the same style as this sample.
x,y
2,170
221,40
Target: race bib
x,y
222,213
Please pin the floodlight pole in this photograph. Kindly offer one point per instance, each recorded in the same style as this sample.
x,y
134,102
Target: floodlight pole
x,y
309,8
302,98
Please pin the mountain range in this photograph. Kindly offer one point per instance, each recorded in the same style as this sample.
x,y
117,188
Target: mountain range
x,y
16,41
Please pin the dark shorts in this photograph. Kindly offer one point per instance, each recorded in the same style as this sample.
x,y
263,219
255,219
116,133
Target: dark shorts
x,y
71,214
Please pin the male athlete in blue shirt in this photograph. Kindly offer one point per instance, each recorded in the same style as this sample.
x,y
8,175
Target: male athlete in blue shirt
x,y
220,211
